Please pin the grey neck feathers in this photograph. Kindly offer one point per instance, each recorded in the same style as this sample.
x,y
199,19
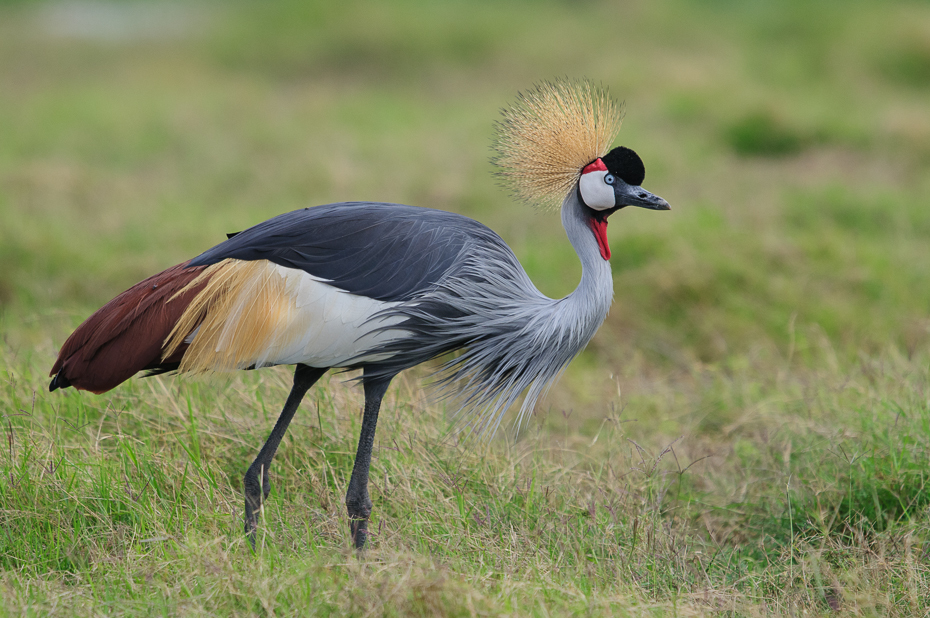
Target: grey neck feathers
x,y
522,341
594,294
515,338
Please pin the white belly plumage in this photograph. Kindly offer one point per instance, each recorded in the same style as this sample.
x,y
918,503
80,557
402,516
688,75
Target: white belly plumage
x,y
327,327
257,313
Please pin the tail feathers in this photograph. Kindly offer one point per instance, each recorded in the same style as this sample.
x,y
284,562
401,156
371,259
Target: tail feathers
x,y
127,334
59,381
162,368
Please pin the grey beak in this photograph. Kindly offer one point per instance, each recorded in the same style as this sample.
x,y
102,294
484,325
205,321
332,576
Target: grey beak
x,y
637,196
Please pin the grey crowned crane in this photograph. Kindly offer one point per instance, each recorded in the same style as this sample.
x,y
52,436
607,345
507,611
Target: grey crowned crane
x,y
384,287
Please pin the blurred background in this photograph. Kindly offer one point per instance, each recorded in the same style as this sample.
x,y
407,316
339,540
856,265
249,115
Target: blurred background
x,y
792,140
750,426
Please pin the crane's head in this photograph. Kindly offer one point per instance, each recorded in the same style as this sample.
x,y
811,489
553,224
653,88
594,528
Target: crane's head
x,y
609,183
554,140
613,181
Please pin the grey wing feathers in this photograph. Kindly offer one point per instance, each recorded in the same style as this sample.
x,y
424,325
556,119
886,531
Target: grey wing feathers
x,y
388,252
456,284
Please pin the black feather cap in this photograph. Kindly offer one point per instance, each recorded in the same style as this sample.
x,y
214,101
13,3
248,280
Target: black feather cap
x,y
625,164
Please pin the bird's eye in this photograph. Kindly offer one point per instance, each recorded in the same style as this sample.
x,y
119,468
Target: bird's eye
x,y
609,179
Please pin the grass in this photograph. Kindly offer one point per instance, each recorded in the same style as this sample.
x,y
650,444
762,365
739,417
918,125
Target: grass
x,y
748,434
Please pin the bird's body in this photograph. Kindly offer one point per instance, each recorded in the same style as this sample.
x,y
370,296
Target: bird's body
x,y
381,287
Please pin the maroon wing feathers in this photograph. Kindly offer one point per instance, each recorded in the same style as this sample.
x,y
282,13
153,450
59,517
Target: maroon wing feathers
x,y
125,335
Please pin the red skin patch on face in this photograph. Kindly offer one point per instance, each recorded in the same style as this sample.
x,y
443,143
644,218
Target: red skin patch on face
x,y
595,166
599,227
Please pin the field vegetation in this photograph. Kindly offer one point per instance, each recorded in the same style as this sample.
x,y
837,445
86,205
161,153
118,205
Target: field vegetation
x,y
748,434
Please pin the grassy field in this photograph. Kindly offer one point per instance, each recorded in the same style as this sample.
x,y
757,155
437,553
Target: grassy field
x,y
748,434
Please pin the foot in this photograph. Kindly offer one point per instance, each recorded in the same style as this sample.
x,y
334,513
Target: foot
x,y
359,531
255,495
359,511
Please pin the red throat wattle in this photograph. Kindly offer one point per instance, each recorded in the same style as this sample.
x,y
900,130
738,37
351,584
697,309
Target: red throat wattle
x,y
599,227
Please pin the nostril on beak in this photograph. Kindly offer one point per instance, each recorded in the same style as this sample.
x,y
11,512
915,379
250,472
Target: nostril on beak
x,y
642,196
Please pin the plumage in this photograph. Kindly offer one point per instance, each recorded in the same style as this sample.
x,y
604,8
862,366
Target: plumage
x,y
385,287
549,134
258,314
382,251
125,336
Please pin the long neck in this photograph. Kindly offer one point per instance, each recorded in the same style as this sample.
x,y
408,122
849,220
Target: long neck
x,y
591,299
560,329
517,340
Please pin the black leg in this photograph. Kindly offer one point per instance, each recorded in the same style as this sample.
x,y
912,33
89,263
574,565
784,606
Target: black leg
x,y
257,491
357,501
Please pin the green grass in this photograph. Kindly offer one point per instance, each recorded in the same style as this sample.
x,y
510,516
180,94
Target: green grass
x,y
748,434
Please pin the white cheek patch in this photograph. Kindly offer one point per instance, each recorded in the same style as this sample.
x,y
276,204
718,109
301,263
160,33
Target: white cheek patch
x,y
596,193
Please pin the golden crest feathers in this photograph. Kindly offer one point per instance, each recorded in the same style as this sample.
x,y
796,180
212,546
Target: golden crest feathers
x,y
549,134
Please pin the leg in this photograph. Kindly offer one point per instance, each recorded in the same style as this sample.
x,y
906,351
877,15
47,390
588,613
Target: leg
x,y
357,501
257,491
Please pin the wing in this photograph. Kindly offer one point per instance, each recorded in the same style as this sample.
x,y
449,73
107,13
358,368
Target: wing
x,y
387,252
